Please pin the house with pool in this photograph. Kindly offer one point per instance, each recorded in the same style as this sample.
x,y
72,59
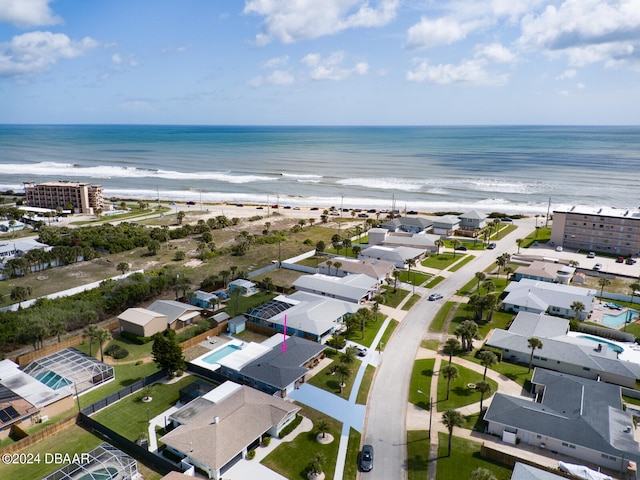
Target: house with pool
x,y
574,416
216,430
274,366
580,355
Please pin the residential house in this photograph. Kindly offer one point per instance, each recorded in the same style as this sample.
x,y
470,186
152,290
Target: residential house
x,y
408,224
560,352
398,255
422,241
472,220
20,246
142,322
178,314
522,471
574,416
545,272
446,225
242,286
204,299
216,430
538,297
356,288
378,269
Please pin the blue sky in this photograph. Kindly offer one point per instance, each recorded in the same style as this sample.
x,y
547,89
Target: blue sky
x,y
320,62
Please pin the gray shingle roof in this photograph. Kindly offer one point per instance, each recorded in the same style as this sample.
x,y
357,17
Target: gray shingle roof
x,y
530,324
172,309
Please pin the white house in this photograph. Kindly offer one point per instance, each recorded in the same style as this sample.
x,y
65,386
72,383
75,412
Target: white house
x,y
355,288
398,255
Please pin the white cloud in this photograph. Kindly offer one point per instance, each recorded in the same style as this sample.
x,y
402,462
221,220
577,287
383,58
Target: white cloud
x,y
581,86
275,62
277,77
495,53
586,31
440,31
176,49
472,72
116,58
567,74
330,68
34,52
27,13
291,20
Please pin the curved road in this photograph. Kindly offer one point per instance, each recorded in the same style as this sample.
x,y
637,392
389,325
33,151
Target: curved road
x,y
385,422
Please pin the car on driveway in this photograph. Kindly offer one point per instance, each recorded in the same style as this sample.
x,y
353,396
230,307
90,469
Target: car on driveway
x,y
365,461
362,352
620,260
630,261
435,296
591,255
491,246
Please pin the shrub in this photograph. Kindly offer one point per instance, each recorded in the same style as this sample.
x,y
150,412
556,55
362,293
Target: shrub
x,y
132,337
266,441
251,454
116,351
291,427
179,373
308,241
179,256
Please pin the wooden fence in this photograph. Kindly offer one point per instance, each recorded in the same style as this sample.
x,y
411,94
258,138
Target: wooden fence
x,y
40,435
509,460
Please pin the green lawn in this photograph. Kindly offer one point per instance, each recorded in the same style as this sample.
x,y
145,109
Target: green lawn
x,y
461,263
460,395
437,324
435,281
291,459
470,244
417,454
129,416
504,231
465,312
365,385
416,278
135,351
393,298
464,459
247,303
421,376
353,450
440,261
331,383
393,324
543,236
431,344
411,302
370,332
513,371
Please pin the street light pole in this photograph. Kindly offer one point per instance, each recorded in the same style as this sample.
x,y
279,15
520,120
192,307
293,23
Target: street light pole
x,y
430,410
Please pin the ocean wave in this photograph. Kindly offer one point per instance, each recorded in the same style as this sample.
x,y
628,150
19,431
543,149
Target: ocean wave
x,y
300,176
398,184
54,169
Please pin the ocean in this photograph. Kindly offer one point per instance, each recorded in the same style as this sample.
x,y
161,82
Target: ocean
x,y
511,169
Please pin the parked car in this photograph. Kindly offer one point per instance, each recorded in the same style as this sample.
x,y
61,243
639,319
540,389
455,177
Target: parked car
x,y
506,219
314,208
461,248
412,212
362,352
363,215
591,255
259,208
335,213
620,260
365,462
491,246
296,208
435,296
191,202
597,266
287,207
631,261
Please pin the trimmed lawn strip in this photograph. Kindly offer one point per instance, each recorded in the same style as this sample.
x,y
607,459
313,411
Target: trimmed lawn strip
x,y
418,454
440,261
437,324
461,263
291,459
460,395
431,344
434,282
416,278
129,416
543,236
504,230
464,459
391,298
513,371
465,312
331,383
421,377
365,385
393,324
247,303
71,440
353,450
370,332
411,302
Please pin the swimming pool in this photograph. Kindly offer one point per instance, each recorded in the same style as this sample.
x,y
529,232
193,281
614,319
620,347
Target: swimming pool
x,y
618,320
53,380
214,357
612,346
108,473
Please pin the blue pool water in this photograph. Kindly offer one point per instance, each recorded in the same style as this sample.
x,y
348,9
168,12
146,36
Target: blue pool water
x,y
53,380
612,346
100,474
617,320
218,354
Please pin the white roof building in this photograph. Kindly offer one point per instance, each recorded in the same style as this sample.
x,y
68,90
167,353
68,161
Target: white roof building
x,y
352,288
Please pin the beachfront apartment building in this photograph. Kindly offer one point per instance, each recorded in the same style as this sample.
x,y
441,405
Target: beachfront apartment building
x,y
607,230
82,197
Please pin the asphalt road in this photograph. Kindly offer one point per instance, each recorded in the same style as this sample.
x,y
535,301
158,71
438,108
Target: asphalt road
x,y
385,422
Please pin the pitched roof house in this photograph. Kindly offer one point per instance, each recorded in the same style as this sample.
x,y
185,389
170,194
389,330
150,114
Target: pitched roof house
x,y
352,288
378,269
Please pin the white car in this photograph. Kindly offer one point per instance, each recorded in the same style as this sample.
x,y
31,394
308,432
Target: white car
x,y
435,296
362,352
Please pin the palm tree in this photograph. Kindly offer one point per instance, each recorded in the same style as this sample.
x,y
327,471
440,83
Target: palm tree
x,y
337,265
349,356
328,263
344,371
102,336
396,274
634,287
180,217
90,332
468,332
322,427
519,242
577,308
451,419
487,359
533,344
346,243
603,282
450,372
438,243
451,345
480,276
410,262
484,388
356,250
455,243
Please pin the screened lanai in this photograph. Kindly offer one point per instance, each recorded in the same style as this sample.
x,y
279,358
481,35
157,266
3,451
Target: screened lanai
x,y
103,462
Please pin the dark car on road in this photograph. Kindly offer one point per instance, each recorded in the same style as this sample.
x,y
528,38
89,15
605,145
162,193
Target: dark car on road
x,y
365,462
491,246
461,248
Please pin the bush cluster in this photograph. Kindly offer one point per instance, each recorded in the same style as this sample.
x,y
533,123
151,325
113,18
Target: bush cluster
x,y
116,351
132,337
291,427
